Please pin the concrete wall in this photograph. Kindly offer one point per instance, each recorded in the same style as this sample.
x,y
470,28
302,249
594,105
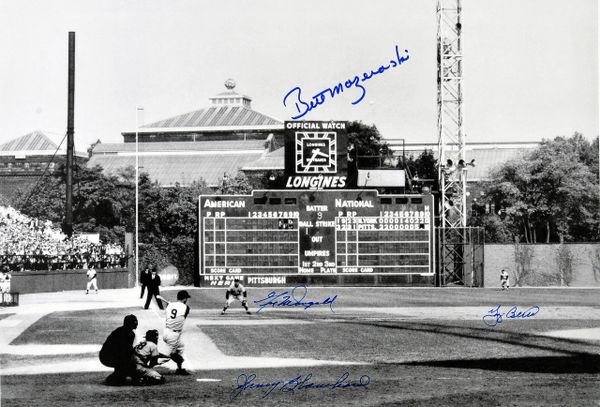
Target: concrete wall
x,y
65,280
502,256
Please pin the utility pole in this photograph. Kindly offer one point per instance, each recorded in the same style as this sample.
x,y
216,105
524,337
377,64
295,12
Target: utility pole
x,y
68,225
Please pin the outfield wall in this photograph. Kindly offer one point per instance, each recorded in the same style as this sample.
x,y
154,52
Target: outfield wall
x,y
26,282
543,264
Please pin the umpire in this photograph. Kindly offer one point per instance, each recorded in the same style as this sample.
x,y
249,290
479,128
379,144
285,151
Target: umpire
x,y
153,285
117,352
144,277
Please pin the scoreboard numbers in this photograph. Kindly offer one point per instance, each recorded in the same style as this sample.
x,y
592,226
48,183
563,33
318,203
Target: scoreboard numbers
x,y
320,232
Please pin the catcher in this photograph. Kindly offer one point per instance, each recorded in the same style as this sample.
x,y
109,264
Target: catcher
x,y
235,291
146,356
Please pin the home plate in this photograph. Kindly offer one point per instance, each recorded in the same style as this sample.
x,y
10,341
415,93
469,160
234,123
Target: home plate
x,y
208,380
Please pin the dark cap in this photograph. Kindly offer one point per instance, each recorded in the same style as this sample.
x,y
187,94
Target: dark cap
x,y
182,295
237,280
130,321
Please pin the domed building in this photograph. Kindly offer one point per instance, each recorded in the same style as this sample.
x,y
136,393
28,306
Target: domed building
x,y
207,143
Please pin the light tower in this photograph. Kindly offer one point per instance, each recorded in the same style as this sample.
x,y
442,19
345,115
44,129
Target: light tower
x,y
451,143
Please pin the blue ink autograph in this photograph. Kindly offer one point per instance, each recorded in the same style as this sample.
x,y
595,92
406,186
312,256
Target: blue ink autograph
x,y
292,299
494,316
246,382
320,98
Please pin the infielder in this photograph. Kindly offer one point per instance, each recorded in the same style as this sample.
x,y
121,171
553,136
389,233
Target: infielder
x,y
92,282
504,280
235,291
146,356
176,313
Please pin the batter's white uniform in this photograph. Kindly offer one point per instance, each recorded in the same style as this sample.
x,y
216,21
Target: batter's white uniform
x,y
91,275
176,313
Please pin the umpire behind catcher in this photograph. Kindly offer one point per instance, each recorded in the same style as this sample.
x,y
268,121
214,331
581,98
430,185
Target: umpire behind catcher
x,y
117,351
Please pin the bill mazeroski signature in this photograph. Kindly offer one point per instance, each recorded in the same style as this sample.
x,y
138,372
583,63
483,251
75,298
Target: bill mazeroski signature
x,y
294,298
494,316
294,97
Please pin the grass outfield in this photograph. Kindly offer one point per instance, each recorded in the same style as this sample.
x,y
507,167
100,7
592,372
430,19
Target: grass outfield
x,y
441,360
423,297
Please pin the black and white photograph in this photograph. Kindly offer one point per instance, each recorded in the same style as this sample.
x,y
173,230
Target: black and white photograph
x,y
304,203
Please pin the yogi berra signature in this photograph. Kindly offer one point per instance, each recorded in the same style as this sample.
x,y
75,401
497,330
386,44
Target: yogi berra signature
x,y
247,382
295,298
494,316
303,107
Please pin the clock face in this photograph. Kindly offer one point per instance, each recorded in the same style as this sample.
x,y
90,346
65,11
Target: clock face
x,y
316,152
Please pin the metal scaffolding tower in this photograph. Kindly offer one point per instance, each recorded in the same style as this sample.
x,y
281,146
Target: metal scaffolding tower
x,y
451,144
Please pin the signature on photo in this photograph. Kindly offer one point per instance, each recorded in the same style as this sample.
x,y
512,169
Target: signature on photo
x,y
294,298
494,316
247,382
303,107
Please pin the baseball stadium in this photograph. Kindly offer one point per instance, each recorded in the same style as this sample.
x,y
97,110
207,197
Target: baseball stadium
x,y
223,256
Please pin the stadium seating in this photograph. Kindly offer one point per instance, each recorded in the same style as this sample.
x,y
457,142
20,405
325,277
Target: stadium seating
x,y
30,244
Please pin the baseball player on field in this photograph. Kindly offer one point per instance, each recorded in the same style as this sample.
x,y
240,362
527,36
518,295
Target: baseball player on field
x,y
235,291
92,282
175,316
145,356
504,280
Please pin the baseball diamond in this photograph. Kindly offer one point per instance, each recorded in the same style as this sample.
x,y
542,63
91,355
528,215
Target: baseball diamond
x,y
408,337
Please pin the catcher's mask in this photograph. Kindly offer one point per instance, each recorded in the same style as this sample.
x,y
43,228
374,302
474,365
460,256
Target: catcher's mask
x,y
152,335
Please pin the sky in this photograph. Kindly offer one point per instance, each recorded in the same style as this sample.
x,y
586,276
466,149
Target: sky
x,y
530,67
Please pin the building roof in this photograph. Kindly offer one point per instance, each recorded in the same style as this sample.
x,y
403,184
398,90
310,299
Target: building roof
x,y
216,118
273,160
227,111
486,159
34,143
183,169
172,146
35,140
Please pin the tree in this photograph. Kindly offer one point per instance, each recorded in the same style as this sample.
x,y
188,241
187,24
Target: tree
x,y
370,147
550,193
101,204
421,170
169,220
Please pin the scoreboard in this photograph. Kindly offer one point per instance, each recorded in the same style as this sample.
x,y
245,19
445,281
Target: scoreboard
x,y
276,233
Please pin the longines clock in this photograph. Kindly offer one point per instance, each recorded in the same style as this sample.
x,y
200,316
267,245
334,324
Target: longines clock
x,y
316,152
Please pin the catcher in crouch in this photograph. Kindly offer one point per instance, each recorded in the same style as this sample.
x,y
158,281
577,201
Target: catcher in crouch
x,y
235,291
146,356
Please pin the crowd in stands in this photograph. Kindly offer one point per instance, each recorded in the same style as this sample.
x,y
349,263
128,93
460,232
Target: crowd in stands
x,y
30,244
